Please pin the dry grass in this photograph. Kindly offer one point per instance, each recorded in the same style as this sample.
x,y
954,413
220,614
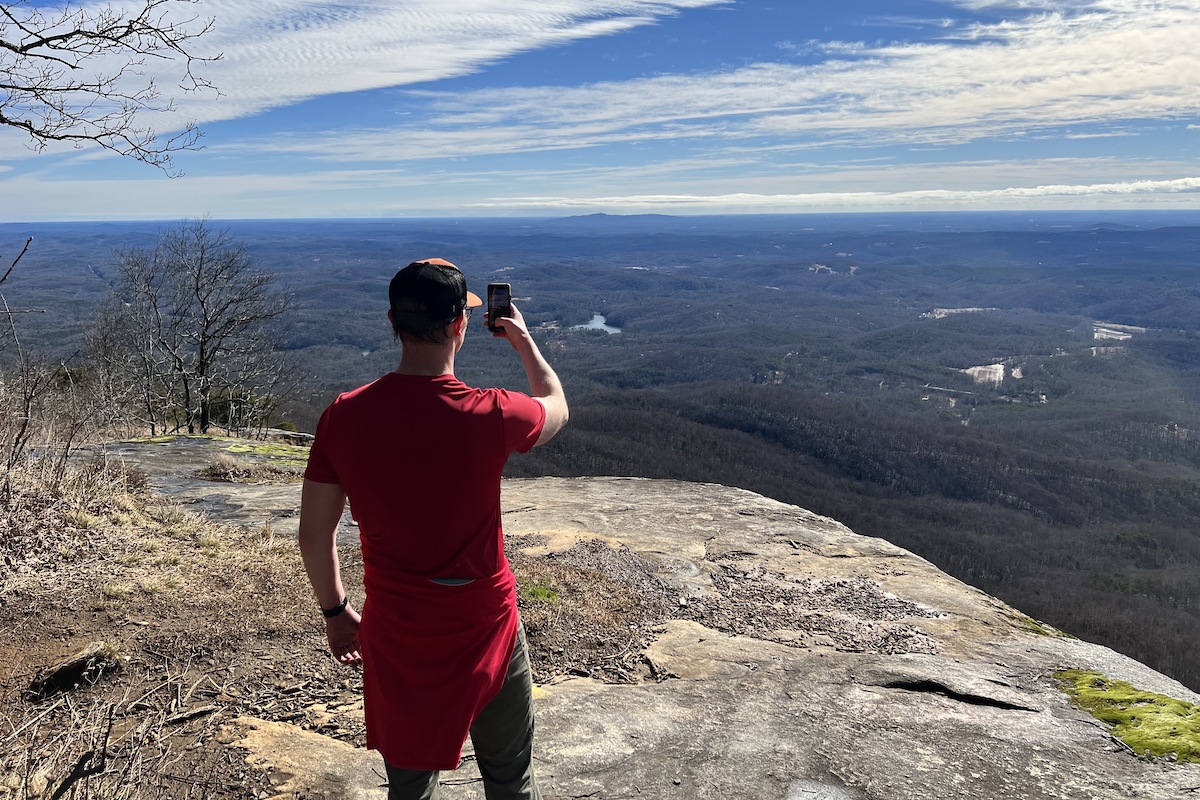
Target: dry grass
x,y
589,611
197,614
231,469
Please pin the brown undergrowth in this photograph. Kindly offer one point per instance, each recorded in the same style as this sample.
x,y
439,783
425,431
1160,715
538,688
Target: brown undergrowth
x,y
225,467
194,620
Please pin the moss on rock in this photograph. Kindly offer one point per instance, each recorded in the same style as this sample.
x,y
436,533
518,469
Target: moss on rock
x,y
290,454
1150,723
1037,626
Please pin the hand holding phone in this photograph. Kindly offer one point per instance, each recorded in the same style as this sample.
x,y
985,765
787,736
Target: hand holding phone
x,y
499,304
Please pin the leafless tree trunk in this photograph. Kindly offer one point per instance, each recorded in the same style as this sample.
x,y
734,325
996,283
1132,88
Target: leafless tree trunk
x,y
203,322
127,369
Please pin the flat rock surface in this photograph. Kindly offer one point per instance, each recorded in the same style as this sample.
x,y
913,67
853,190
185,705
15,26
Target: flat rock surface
x,y
974,715
807,662
172,469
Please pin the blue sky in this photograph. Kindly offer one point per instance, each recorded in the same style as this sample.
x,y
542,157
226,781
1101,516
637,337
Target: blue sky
x,y
369,108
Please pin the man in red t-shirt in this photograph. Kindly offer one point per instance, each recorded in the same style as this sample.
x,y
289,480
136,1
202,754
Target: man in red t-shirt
x,y
419,455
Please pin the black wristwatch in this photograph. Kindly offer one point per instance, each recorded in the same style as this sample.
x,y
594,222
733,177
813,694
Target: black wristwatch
x,y
329,613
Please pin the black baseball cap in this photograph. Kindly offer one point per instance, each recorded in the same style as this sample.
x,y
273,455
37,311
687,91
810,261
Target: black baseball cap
x,y
429,292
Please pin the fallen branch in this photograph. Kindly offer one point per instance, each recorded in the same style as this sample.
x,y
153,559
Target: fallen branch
x,y
184,716
87,665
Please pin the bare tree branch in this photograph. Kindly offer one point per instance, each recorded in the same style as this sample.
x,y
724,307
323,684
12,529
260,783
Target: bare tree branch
x,y
75,74
16,260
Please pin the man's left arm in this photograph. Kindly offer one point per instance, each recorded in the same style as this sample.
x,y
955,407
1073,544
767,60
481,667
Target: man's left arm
x,y
544,385
321,506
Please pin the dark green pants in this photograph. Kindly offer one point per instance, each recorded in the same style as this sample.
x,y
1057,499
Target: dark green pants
x,y
503,740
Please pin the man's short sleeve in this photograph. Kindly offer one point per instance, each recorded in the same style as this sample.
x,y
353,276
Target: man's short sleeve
x,y
524,418
320,468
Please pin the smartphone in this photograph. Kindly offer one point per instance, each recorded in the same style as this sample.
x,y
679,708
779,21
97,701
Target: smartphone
x,y
499,304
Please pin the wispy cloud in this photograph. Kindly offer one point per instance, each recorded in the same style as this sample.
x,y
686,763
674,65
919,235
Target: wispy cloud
x,y
279,52
1082,63
1105,135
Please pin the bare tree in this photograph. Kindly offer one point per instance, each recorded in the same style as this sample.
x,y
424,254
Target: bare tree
x,y
18,393
123,351
43,405
197,321
75,74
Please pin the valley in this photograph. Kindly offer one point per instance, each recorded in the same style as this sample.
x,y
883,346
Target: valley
x,y
847,364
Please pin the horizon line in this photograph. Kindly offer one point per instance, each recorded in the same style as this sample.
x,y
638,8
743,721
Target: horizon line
x,y
1107,212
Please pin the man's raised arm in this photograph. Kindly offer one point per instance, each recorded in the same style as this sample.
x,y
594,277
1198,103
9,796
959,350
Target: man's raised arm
x,y
544,385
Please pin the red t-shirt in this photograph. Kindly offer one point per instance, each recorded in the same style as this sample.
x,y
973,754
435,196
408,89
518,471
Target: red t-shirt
x,y
420,460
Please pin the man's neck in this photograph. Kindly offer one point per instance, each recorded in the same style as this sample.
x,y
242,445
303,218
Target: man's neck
x,y
427,359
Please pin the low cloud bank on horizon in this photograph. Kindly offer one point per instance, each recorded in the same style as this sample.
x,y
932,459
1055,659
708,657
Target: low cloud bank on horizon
x,y
942,198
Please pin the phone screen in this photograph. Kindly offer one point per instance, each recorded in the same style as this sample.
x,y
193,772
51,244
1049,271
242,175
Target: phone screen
x,y
499,303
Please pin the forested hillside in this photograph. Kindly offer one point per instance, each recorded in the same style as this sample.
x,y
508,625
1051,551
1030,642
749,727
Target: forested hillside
x,y
823,362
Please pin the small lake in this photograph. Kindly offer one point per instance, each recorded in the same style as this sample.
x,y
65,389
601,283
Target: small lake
x,y
598,323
